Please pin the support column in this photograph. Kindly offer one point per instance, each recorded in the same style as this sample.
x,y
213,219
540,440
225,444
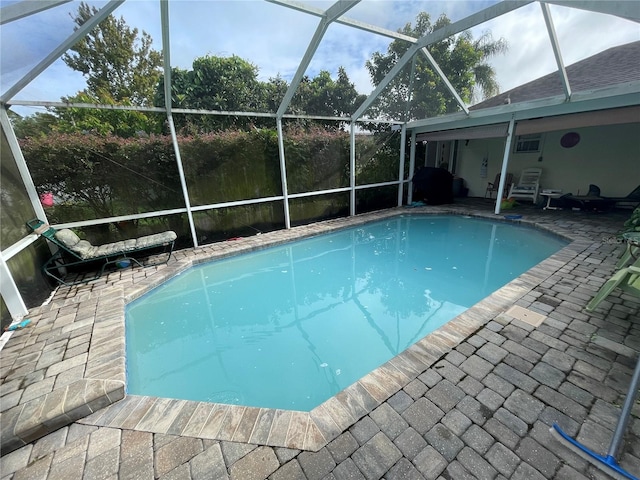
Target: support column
x,y
166,48
412,167
283,174
403,141
352,169
10,293
8,288
183,181
505,163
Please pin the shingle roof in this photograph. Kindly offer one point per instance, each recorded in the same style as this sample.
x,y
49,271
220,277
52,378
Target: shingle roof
x,y
611,67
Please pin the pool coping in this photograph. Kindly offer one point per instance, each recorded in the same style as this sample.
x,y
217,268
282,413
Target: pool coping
x,y
99,398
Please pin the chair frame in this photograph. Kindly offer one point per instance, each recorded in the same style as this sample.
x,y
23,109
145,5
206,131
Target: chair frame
x,y
495,185
625,279
631,200
528,185
58,262
632,249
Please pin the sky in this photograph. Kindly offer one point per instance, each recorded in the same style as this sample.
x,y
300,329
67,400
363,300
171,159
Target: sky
x,y
275,38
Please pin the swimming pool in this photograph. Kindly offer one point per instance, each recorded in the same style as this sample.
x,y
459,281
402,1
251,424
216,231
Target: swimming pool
x,y
290,326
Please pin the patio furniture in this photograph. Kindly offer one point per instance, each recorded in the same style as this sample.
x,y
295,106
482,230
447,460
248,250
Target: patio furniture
x,y
632,250
528,185
627,279
72,251
551,194
592,201
632,200
495,185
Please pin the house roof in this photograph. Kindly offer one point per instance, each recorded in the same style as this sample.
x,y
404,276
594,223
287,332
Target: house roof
x,y
613,66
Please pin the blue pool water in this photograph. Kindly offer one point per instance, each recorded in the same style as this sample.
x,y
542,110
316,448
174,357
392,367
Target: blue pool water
x,y
290,326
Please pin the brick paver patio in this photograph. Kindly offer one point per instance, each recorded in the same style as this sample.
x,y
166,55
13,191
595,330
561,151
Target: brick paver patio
x,y
480,408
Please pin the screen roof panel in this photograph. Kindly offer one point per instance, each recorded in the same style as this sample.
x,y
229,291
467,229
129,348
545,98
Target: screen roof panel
x,y
271,38
27,41
530,53
275,38
58,80
341,48
395,14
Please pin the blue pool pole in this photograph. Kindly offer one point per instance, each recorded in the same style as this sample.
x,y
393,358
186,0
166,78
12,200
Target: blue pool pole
x,y
624,415
610,460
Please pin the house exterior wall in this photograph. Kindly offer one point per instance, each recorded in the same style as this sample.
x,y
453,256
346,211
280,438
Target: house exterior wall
x,y
607,156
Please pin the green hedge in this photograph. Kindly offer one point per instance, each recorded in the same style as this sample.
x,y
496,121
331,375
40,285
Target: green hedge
x,y
94,176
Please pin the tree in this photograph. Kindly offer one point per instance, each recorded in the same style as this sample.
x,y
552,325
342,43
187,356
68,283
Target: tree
x,y
36,125
215,83
324,96
462,59
231,84
121,69
275,90
121,123
118,63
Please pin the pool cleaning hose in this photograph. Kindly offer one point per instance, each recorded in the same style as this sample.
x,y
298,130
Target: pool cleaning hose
x,y
607,463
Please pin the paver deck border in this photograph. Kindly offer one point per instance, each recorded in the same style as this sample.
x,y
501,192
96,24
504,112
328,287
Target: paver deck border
x,y
99,397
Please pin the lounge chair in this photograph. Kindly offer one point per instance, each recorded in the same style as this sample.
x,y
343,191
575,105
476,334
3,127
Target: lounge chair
x,y
528,185
72,251
495,185
632,249
632,200
627,279
592,201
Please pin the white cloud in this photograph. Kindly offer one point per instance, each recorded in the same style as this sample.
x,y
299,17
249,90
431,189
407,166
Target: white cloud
x,y
275,38
580,34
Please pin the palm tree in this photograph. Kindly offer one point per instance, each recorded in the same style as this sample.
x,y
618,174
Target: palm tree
x,y
484,74
462,59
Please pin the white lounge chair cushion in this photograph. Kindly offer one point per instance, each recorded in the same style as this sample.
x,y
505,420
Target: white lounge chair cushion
x,y
68,237
86,251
